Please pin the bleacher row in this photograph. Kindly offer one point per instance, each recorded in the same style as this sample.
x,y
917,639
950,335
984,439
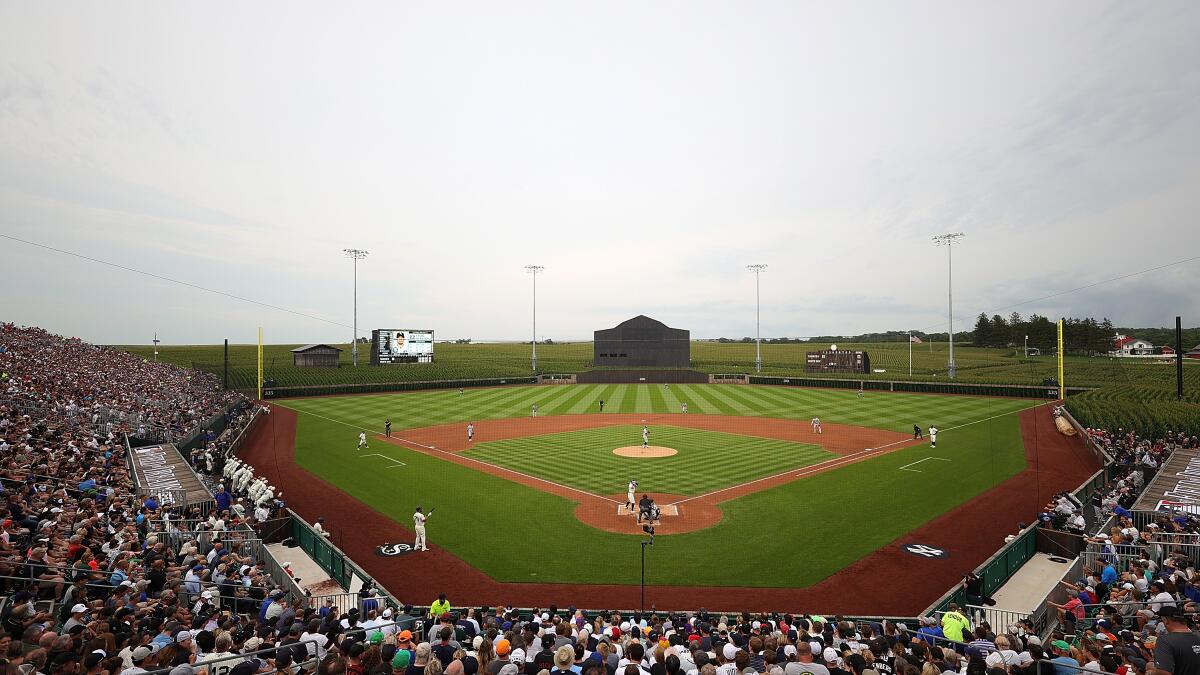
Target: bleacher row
x,y
99,579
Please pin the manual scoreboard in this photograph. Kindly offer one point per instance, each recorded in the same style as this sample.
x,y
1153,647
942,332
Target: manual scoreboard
x,y
837,361
399,345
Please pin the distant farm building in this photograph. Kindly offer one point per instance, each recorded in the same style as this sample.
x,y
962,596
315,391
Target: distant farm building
x,y
316,356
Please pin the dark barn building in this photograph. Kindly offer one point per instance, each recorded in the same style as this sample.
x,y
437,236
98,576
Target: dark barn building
x,y
316,356
642,342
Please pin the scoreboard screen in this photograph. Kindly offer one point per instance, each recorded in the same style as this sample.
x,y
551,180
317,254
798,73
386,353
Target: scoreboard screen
x,y
837,361
400,345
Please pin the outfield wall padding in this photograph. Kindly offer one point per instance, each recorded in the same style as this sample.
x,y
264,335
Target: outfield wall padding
x,y
642,377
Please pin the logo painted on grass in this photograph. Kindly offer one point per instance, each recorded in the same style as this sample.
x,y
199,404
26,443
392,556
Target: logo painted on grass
x,y
392,550
925,551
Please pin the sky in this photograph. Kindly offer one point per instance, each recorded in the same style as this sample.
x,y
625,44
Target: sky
x,y
644,153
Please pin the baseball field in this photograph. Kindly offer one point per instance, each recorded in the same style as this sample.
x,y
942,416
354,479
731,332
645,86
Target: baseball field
x,y
752,495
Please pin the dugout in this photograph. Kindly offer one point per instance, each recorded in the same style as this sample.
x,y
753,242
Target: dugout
x,y
642,342
316,356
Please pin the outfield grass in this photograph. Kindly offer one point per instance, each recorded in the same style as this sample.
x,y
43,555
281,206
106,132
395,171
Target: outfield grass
x,y
789,536
882,410
706,460
471,361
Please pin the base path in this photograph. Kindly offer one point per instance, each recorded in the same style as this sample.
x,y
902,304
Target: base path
x,y
886,582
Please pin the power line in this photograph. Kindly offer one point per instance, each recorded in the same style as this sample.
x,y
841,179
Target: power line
x,y
170,280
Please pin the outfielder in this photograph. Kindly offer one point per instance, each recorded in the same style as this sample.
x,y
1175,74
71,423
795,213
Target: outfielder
x,y
533,410
362,440
470,431
629,496
933,437
683,407
816,425
419,526
645,437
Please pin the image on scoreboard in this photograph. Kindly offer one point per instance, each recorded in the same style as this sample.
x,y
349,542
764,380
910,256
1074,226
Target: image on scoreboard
x,y
401,345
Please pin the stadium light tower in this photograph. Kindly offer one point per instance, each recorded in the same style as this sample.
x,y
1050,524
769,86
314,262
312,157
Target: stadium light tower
x,y
356,254
757,269
948,240
534,270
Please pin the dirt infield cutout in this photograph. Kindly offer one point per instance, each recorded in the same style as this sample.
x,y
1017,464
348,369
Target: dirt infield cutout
x,y
648,451
851,444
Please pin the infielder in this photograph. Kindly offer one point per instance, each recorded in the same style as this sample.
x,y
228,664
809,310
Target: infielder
x,y
362,440
419,526
683,407
533,410
933,437
645,437
917,432
816,425
470,431
387,427
629,496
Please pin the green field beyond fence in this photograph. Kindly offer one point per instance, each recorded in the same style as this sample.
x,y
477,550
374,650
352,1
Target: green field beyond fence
x,y
489,360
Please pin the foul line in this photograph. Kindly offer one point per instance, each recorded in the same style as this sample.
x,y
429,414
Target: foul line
x,y
469,459
395,462
905,467
844,459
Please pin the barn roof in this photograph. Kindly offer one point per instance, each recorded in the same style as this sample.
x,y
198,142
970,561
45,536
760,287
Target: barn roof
x,y
306,348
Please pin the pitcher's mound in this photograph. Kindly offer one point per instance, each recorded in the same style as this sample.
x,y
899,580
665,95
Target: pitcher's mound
x,y
639,451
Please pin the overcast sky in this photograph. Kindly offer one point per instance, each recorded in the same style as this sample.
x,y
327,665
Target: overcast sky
x,y
643,152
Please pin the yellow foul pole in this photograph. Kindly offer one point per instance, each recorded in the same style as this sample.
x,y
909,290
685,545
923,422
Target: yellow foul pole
x,y
260,378
1062,387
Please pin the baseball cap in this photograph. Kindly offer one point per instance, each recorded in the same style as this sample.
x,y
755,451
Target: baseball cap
x,y
729,651
140,654
502,647
79,608
405,635
183,635
401,659
376,637
1059,644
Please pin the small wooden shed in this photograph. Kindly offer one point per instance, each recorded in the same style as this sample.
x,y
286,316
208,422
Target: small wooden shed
x,y
316,356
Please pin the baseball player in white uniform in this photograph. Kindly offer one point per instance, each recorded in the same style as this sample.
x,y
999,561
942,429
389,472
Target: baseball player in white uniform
x,y
362,440
630,498
470,431
816,425
933,437
645,437
419,519
683,407
533,411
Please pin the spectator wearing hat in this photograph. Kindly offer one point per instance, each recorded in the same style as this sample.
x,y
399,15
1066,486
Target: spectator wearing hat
x,y
1177,650
502,649
804,662
1060,656
564,661
955,624
137,657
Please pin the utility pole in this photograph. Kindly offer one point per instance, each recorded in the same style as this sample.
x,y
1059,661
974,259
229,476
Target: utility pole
x,y
910,353
1026,346
156,341
948,240
757,269
534,270
355,254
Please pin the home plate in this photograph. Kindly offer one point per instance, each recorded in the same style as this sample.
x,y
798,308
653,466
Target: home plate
x,y
663,510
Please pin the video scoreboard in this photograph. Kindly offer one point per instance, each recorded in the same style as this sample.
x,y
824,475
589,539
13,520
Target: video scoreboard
x,y
400,345
837,361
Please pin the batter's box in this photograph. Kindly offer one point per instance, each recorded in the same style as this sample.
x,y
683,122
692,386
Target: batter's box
x,y
667,510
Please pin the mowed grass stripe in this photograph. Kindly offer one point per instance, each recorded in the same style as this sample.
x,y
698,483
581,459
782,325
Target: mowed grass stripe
x,y
583,459
670,401
686,394
715,402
